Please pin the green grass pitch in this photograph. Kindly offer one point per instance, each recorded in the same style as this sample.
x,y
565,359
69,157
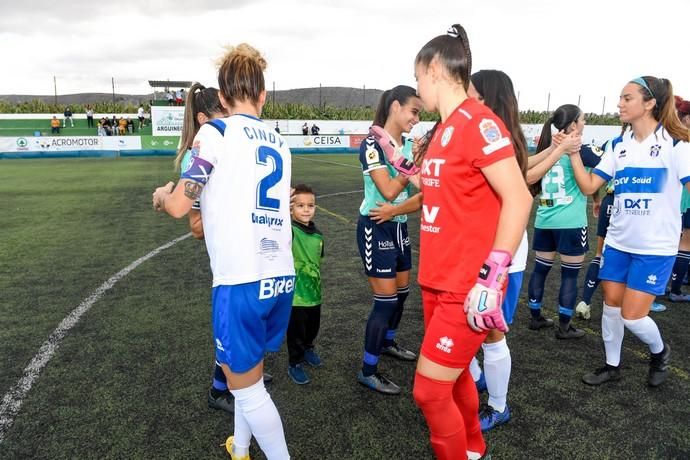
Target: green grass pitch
x,y
130,379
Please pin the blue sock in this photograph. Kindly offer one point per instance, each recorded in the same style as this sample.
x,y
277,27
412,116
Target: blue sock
x,y
220,383
385,307
591,280
535,288
680,269
568,292
403,292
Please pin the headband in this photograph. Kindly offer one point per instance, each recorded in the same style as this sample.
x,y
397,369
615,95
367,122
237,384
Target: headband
x,y
640,81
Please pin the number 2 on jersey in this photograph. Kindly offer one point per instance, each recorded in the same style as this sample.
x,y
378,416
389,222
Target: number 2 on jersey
x,y
263,201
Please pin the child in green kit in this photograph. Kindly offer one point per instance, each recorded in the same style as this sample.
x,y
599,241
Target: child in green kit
x,y
305,318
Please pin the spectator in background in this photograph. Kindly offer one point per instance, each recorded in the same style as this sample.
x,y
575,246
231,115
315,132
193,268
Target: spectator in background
x,y
315,130
130,126
277,128
141,116
101,129
89,116
305,129
68,116
55,125
184,96
178,97
114,124
170,97
122,125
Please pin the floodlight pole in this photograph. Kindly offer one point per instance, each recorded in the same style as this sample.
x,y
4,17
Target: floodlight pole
x,y
603,105
273,105
112,79
55,87
364,95
579,96
548,103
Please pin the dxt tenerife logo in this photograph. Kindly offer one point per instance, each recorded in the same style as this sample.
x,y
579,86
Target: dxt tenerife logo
x,y
22,143
445,344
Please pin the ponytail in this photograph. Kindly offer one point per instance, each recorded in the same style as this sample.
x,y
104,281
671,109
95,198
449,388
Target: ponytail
x,y
199,100
453,52
664,110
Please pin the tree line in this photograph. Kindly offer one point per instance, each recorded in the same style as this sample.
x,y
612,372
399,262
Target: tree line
x,y
278,111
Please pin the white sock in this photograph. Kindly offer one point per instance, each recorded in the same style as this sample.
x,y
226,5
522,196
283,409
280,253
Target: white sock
x,y
471,455
646,330
612,331
497,364
242,433
475,370
262,417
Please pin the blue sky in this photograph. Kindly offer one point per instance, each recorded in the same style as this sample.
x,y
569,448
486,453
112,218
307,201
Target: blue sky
x,y
587,49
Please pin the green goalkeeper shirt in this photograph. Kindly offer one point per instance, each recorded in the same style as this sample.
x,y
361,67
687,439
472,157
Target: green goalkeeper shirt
x,y
307,250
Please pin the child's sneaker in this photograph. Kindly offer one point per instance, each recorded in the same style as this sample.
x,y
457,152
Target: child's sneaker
x,y
298,375
229,447
312,358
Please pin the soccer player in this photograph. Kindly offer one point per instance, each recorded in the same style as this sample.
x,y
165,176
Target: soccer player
x,y
680,268
603,214
241,170
475,210
494,89
649,168
202,105
385,249
561,222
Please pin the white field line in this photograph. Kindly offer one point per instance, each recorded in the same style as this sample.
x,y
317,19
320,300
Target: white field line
x,y
12,400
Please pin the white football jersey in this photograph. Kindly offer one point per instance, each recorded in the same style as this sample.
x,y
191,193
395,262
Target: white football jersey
x,y
246,201
648,177
519,263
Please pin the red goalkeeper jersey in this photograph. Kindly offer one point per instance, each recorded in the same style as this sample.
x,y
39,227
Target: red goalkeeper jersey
x,y
460,210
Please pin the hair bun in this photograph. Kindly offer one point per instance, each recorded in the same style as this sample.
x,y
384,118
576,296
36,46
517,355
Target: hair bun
x,y
454,31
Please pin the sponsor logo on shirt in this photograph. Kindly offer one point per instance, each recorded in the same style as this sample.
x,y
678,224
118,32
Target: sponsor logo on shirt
x,y
273,287
651,279
429,215
445,344
432,167
654,151
265,219
219,345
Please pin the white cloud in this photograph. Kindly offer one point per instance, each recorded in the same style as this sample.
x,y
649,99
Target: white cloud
x,y
585,49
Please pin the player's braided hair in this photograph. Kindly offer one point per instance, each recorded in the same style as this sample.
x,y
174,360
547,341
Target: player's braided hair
x,y
452,50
